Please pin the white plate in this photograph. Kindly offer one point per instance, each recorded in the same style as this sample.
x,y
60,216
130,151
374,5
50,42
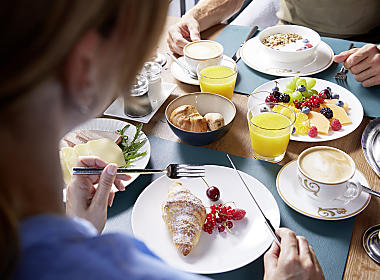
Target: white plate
x,y
257,59
116,109
112,125
355,107
218,252
291,194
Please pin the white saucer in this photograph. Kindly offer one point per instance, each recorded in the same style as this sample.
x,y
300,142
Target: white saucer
x,y
291,194
255,58
180,74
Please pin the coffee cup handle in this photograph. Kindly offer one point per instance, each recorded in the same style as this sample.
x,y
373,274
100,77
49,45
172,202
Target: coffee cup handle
x,y
353,190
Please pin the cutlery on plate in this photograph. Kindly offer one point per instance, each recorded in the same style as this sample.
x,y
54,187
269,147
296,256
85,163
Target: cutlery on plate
x,y
267,221
183,66
173,171
341,76
370,191
237,55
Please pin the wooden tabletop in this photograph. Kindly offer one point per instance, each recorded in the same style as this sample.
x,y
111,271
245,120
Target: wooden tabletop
x,y
237,142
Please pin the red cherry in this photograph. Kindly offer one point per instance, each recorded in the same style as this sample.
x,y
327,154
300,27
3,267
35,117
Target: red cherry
x,y
213,193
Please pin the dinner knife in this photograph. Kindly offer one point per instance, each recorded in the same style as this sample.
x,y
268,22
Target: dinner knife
x,y
267,221
237,55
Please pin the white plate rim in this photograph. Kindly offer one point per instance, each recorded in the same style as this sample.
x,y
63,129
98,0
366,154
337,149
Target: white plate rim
x,y
286,74
174,68
292,164
111,125
219,269
336,134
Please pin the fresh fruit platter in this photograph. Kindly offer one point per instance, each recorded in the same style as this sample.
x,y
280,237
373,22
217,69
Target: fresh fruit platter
x,y
324,111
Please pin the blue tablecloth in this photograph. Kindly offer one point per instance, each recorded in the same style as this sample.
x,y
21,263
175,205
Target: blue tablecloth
x,y
330,239
232,36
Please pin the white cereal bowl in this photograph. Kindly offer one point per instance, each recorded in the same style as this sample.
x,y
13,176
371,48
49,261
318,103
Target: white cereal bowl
x,y
290,55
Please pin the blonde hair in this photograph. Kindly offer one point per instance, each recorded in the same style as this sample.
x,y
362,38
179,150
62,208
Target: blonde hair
x,y
36,36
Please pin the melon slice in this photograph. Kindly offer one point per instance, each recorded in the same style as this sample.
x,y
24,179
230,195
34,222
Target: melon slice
x,y
340,114
320,122
333,102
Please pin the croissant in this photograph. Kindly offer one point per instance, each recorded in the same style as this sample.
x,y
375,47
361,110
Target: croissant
x,y
187,117
184,215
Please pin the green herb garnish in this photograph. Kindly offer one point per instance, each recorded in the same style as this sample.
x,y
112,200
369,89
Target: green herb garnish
x,y
131,149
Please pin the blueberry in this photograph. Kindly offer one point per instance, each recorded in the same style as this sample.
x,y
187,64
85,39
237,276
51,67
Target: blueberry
x,y
340,103
305,110
264,109
305,41
294,130
301,88
305,47
335,96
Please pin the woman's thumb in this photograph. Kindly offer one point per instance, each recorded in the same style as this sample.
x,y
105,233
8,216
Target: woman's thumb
x,y
105,184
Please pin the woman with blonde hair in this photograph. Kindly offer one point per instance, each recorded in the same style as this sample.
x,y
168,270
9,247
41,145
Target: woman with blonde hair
x,y
62,63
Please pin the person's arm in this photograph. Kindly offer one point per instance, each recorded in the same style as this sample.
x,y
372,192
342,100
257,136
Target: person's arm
x,y
202,16
363,62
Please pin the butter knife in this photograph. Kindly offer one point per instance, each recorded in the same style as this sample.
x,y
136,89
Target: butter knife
x,y
267,221
237,55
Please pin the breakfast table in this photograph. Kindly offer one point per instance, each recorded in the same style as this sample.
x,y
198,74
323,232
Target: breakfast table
x,y
237,142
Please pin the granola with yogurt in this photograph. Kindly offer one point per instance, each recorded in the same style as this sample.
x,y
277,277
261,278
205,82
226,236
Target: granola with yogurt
x,y
281,39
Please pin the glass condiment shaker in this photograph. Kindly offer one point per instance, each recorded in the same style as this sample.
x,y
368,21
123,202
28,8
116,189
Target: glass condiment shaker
x,y
137,102
152,70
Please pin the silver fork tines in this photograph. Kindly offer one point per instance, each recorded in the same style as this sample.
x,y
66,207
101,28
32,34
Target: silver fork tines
x,y
173,171
341,76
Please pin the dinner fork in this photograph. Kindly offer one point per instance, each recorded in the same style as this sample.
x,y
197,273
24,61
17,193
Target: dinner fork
x,y
341,76
173,171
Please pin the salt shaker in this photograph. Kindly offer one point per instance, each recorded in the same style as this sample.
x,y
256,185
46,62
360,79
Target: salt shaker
x,y
152,70
137,102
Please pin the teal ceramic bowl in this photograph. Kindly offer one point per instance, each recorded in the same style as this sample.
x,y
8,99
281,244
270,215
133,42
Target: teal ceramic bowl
x,y
205,103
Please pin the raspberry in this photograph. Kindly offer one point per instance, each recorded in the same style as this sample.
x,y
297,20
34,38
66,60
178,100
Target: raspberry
x,y
313,131
336,125
238,214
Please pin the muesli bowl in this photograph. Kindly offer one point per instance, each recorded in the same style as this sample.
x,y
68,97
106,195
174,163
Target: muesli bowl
x,y
289,43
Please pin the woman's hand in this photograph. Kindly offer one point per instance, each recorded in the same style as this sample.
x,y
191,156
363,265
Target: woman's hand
x,y
295,260
180,34
363,62
84,201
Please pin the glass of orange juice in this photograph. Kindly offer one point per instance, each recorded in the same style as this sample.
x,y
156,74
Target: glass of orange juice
x,y
270,126
218,76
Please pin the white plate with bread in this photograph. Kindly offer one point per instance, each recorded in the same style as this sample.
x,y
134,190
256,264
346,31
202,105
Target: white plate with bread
x,y
213,253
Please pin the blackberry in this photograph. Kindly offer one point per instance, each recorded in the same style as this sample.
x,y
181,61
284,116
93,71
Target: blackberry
x,y
327,112
284,98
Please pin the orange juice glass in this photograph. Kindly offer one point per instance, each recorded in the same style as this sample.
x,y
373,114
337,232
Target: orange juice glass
x,y
218,77
270,126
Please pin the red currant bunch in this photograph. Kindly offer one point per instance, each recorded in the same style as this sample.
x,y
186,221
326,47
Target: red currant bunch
x,y
220,217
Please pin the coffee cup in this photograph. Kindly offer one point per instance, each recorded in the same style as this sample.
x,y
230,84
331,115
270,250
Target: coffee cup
x,y
203,51
326,174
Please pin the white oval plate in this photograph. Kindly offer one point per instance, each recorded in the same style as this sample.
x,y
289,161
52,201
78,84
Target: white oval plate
x,y
258,60
295,198
113,125
355,107
218,252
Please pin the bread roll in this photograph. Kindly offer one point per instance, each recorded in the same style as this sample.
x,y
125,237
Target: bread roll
x,y
187,118
214,120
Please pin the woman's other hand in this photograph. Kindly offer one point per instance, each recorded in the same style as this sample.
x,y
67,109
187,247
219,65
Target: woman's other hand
x,y
180,34
363,62
84,201
295,260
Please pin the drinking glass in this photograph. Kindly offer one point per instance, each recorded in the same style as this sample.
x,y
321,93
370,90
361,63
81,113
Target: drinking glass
x,y
218,77
270,126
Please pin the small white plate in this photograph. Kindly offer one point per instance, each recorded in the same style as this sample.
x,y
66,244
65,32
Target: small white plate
x,y
180,74
218,252
291,194
355,107
257,59
116,109
113,125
